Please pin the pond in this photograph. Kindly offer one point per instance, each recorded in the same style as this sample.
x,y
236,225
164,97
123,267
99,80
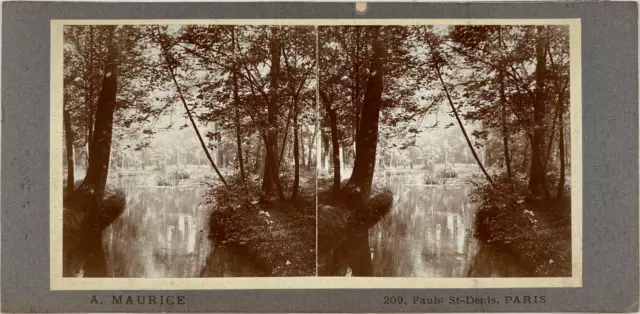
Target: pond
x,y
162,232
429,233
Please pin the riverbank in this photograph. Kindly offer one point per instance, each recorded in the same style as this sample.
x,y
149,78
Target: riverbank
x,y
536,233
276,237
337,222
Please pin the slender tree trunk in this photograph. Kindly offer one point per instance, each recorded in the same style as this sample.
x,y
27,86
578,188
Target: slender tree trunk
x,y
561,145
284,139
537,177
186,108
341,160
236,101
312,144
455,113
259,158
68,135
561,181
296,157
547,156
367,138
505,129
302,150
331,113
325,152
246,156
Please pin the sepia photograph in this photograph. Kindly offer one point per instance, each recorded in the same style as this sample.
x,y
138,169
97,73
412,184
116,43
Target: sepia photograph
x,y
323,151
188,151
445,151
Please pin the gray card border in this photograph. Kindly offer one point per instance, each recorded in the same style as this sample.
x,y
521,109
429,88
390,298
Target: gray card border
x,y
610,161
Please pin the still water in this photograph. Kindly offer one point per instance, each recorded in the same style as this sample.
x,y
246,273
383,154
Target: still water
x,y
427,233
162,232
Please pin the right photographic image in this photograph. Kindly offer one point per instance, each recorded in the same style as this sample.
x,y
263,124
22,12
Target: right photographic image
x,y
444,151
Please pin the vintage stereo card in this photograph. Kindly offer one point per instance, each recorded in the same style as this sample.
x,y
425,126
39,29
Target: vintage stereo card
x,y
319,157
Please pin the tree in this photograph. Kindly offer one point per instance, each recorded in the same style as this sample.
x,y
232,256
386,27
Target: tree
x,y
170,64
437,60
367,138
537,177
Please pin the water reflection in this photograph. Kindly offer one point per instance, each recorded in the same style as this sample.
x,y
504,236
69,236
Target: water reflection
x,y
161,234
223,262
427,233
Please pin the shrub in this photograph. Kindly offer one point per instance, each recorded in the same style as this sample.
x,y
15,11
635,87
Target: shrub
x,y
496,204
172,178
431,179
447,173
180,174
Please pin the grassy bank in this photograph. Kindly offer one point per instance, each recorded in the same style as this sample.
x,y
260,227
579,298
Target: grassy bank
x,y
277,237
537,233
337,219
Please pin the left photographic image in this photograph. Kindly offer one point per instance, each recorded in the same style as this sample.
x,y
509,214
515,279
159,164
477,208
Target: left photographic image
x,y
188,151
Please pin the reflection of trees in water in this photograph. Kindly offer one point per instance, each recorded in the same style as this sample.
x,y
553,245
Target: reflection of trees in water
x,y
427,232
160,234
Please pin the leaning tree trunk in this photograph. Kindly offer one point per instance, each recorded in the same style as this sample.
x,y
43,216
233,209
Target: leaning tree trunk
x,y
537,177
86,213
68,136
100,146
436,66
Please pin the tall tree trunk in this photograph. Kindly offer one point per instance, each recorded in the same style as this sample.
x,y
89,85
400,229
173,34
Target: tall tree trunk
x,y
331,113
82,242
236,102
296,157
302,150
271,173
562,179
100,146
68,136
89,100
356,77
325,152
259,158
547,156
367,138
537,177
505,129
561,145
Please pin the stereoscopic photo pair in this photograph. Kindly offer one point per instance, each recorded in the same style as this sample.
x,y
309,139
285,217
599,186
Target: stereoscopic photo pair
x,y
426,150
